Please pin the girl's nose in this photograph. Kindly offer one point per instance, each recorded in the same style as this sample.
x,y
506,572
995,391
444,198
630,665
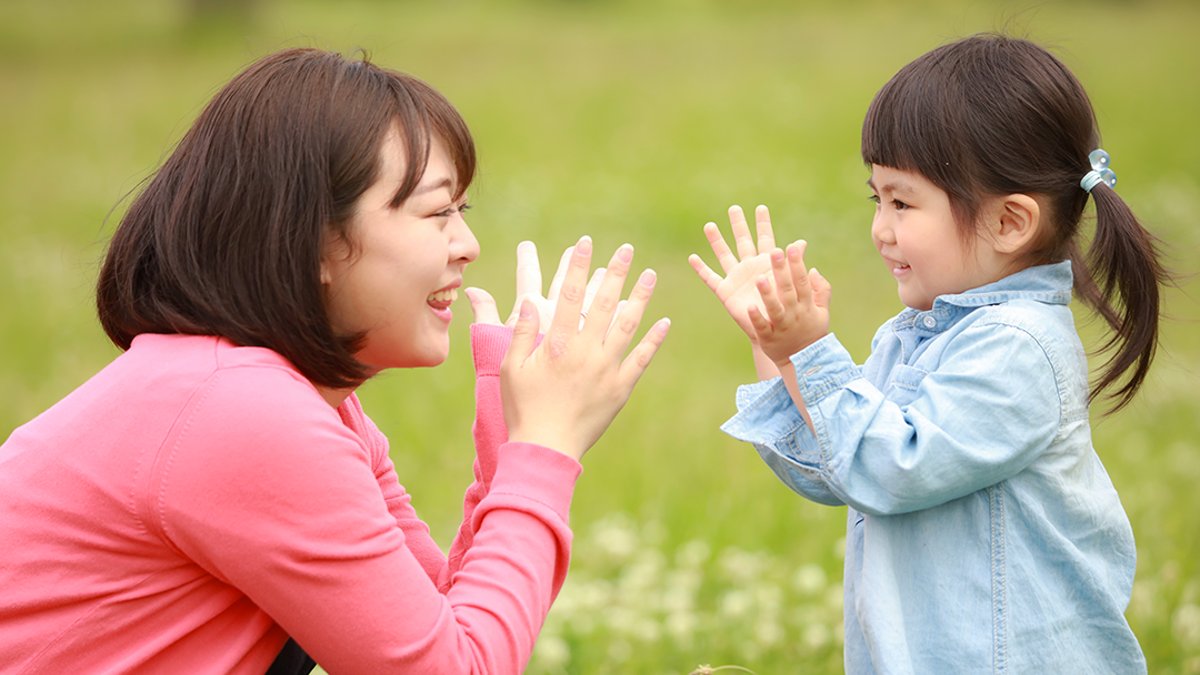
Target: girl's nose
x,y
881,231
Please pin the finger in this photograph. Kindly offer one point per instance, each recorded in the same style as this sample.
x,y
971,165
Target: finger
x,y
741,233
639,359
775,310
592,287
759,322
782,273
483,306
762,224
556,282
795,262
524,336
822,290
604,304
625,323
570,296
709,277
620,308
725,257
529,273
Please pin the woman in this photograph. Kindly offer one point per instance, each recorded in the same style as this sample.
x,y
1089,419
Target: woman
x,y
218,488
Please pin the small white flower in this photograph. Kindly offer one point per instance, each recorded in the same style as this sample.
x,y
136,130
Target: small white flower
x,y
816,635
810,579
551,652
1185,625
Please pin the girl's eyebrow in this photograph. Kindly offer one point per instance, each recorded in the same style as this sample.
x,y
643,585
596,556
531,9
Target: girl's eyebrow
x,y
901,187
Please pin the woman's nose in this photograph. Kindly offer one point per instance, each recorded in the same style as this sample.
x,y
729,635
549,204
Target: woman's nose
x,y
464,246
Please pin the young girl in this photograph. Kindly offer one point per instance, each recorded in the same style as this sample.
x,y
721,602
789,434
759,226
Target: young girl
x,y
984,535
218,489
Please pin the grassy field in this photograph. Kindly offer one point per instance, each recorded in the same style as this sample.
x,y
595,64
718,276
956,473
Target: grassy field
x,y
630,121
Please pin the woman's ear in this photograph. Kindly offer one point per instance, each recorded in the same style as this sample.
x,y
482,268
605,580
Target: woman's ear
x,y
1015,223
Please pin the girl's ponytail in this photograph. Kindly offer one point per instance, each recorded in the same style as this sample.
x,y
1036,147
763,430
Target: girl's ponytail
x,y
1121,282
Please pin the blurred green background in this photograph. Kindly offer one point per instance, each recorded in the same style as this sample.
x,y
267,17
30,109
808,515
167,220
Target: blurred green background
x,y
630,121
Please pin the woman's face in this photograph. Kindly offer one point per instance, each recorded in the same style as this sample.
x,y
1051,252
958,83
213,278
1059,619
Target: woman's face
x,y
397,282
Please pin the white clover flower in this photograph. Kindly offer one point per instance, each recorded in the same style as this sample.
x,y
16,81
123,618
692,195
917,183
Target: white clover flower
x,y
1185,625
768,632
735,604
809,579
681,626
693,554
616,537
834,597
551,652
816,635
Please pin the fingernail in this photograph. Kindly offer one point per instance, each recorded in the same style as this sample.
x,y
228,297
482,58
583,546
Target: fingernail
x,y
647,278
584,246
625,253
663,325
526,309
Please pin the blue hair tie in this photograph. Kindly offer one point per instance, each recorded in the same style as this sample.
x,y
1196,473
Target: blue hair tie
x,y
1100,172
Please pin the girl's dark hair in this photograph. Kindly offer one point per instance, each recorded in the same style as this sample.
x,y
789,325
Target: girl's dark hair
x,y
227,236
992,115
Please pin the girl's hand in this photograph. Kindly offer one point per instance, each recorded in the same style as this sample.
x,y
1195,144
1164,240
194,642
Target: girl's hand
x,y
737,291
529,286
796,303
564,392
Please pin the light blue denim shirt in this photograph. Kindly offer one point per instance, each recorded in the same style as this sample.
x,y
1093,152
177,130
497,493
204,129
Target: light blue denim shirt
x,y
984,535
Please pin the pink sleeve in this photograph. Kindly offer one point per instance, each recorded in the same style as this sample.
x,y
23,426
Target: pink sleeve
x,y
488,345
273,495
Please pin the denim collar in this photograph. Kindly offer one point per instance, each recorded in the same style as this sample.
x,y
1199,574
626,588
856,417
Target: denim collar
x,y
1050,284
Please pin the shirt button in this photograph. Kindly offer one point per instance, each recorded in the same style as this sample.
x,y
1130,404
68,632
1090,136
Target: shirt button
x,y
929,322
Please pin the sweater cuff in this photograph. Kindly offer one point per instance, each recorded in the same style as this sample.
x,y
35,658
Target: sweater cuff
x,y
489,344
537,473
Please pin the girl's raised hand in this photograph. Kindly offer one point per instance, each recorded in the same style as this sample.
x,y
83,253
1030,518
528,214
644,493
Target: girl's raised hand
x,y
564,392
795,306
737,291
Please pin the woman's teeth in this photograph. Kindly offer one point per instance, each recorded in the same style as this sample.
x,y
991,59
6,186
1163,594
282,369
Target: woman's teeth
x,y
449,295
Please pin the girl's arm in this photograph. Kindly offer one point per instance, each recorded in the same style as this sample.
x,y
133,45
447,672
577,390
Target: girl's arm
x,y
966,424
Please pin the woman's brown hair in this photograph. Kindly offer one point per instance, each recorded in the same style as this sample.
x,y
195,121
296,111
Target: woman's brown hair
x,y
993,115
227,236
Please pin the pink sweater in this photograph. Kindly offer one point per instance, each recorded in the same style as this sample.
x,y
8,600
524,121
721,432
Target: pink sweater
x,y
195,503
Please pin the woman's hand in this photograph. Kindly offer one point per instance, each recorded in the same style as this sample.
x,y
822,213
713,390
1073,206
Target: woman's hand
x,y
564,392
529,286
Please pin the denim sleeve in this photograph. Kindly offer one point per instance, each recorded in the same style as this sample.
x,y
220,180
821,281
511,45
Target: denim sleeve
x,y
768,419
982,412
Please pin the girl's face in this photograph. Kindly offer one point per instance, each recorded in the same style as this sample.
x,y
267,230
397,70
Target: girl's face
x,y
915,232
397,282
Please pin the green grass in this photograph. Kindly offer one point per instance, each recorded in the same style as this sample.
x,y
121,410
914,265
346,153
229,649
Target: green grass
x,y
631,122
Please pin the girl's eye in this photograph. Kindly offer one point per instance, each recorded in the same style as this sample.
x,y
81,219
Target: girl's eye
x,y
874,198
900,206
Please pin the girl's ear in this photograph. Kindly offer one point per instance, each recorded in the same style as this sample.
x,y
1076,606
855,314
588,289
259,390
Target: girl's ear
x,y
1015,223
